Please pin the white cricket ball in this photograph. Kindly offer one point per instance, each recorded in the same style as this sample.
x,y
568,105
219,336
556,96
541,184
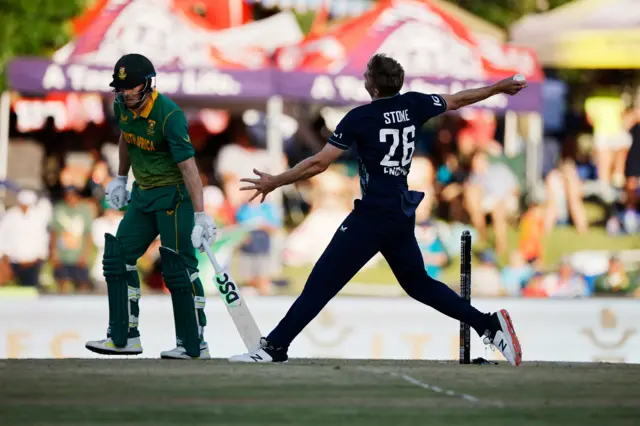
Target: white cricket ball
x,y
519,77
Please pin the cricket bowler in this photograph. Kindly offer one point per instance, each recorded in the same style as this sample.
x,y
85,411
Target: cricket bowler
x,y
166,199
383,220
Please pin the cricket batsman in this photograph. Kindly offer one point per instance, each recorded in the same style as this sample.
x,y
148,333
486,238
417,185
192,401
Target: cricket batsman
x,y
166,199
384,132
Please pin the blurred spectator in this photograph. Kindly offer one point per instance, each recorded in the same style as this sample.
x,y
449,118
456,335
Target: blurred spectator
x,y
605,112
515,275
23,238
449,183
485,277
535,287
492,189
433,250
532,230
566,282
565,198
616,280
105,224
71,241
254,260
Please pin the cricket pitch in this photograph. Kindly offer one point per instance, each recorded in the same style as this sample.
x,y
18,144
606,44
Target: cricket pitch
x,y
315,392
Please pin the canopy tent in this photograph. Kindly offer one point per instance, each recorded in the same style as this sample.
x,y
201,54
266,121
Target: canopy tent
x,y
189,63
439,54
596,34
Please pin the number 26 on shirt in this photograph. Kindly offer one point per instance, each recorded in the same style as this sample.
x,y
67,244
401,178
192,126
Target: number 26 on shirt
x,y
408,145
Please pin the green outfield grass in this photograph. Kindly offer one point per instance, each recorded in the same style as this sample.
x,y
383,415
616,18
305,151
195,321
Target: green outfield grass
x,y
315,392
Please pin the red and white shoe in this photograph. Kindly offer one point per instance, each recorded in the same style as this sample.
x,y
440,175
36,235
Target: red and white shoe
x,y
503,336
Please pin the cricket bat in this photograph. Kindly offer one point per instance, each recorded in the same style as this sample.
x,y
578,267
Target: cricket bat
x,y
236,305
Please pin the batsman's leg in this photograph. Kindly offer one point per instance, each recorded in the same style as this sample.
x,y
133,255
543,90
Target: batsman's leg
x,y
353,245
405,259
135,233
180,272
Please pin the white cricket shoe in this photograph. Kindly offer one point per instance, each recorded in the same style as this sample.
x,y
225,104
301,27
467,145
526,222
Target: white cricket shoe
x,y
266,353
503,336
107,347
181,353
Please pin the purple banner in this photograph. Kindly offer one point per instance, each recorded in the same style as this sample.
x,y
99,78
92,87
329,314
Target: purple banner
x,y
349,90
31,75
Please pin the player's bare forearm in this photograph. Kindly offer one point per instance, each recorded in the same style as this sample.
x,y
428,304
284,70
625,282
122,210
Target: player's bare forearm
x,y
124,163
310,167
470,96
193,183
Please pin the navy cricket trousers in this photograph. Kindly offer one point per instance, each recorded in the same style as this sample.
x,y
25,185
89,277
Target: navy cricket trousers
x,y
364,233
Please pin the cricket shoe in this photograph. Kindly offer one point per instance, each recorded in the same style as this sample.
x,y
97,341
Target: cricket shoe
x,y
266,353
181,353
503,336
107,347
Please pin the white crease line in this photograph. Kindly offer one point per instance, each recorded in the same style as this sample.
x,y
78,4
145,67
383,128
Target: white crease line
x,y
436,389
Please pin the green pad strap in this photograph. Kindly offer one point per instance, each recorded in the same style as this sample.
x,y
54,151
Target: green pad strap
x,y
178,280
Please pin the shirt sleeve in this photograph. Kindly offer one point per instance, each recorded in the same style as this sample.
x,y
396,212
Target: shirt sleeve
x,y
428,106
344,136
177,135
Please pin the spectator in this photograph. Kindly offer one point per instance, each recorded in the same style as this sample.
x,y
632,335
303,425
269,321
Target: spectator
x,y
566,282
616,280
492,188
23,238
605,112
433,251
254,260
532,229
71,241
535,287
486,276
515,275
564,191
107,223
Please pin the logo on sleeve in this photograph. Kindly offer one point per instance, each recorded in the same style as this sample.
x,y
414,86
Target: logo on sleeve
x,y
436,100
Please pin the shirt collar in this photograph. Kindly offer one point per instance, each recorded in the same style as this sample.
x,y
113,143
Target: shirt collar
x,y
146,110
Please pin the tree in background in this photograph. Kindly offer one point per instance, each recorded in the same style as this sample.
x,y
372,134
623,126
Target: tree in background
x,y
34,27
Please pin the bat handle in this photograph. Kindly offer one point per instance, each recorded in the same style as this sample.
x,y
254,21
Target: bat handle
x,y
212,258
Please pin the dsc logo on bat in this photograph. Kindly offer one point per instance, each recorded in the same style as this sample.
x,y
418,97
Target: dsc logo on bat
x,y
227,289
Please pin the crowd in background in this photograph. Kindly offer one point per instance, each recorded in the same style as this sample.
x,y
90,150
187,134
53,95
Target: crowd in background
x,y
52,236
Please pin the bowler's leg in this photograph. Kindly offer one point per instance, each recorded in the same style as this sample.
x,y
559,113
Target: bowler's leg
x,y
355,242
403,255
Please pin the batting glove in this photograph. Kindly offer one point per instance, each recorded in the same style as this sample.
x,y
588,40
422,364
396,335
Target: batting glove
x,y
116,193
204,231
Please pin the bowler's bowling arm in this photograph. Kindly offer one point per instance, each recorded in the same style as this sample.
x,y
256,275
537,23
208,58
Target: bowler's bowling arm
x,y
468,97
124,163
310,167
193,182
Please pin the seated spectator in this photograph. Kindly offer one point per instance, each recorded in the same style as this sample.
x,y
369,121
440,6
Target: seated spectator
x,y
566,282
433,251
23,238
616,281
449,185
564,193
492,189
485,277
71,241
254,259
515,275
532,231
535,287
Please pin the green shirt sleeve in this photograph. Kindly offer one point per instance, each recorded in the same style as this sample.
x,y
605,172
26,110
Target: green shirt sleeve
x,y
177,136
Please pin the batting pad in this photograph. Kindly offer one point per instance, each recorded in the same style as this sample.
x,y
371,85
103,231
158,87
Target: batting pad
x,y
115,271
178,281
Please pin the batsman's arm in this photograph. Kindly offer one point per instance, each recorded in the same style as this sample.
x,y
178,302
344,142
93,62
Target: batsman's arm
x,y
124,163
310,167
193,182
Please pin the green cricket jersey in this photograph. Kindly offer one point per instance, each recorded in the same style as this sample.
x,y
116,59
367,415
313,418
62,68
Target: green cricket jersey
x,y
157,140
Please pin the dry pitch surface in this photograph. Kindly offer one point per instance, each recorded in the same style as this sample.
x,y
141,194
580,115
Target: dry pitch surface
x,y
315,392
